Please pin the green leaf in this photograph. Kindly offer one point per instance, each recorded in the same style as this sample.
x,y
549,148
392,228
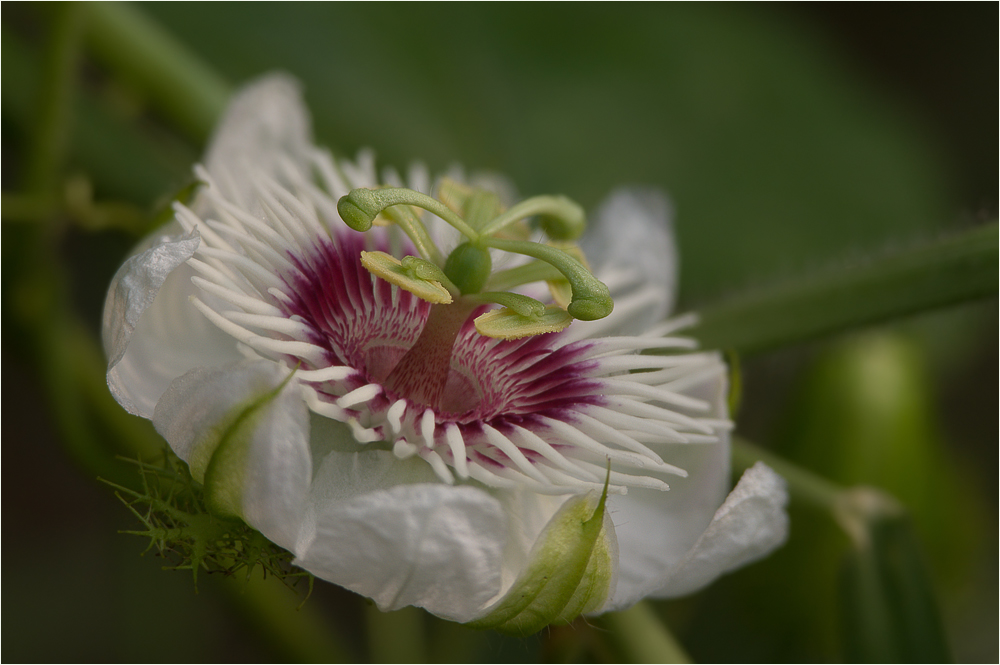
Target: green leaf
x,y
570,572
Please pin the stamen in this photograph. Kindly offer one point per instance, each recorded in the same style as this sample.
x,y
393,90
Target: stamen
x,y
419,277
405,219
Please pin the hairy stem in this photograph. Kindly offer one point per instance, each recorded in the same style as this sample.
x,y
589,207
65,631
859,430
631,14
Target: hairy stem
x,y
947,272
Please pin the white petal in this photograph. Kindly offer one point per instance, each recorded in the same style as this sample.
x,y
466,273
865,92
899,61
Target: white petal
x,y
151,332
750,525
656,529
277,470
630,244
265,122
431,545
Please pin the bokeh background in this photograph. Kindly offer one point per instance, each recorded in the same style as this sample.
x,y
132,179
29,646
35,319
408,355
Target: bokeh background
x,y
788,137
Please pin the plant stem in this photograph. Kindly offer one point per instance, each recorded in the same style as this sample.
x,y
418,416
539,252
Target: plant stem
x,y
396,637
803,485
952,270
641,637
55,103
149,58
297,631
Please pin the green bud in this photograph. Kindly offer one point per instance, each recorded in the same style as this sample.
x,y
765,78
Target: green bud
x,y
570,572
468,267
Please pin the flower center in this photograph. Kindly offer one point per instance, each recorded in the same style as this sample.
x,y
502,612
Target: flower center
x,y
422,373
466,273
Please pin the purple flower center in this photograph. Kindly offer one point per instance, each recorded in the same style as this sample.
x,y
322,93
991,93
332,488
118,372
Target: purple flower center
x,y
431,355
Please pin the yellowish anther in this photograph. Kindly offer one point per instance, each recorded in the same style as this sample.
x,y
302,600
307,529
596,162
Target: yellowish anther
x,y
392,270
505,323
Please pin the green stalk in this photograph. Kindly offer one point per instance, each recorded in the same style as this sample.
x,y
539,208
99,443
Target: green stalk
x,y
803,485
299,631
396,637
52,131
179,84
947,272
641,637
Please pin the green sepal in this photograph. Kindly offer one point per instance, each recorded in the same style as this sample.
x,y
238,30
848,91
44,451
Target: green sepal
x,y
570,572
219,460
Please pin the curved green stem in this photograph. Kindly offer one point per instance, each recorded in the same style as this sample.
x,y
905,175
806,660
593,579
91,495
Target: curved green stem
x,y
591,298
535,271
360,207
565,219
522,304
404,218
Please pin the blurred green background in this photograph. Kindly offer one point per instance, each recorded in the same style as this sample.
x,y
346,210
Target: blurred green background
x,y
788,137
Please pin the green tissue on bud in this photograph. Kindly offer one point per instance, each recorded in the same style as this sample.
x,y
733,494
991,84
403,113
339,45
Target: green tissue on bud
x,y
468,267
570,572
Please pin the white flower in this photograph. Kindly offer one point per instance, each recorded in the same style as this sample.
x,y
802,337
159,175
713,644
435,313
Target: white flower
x,y
269,359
